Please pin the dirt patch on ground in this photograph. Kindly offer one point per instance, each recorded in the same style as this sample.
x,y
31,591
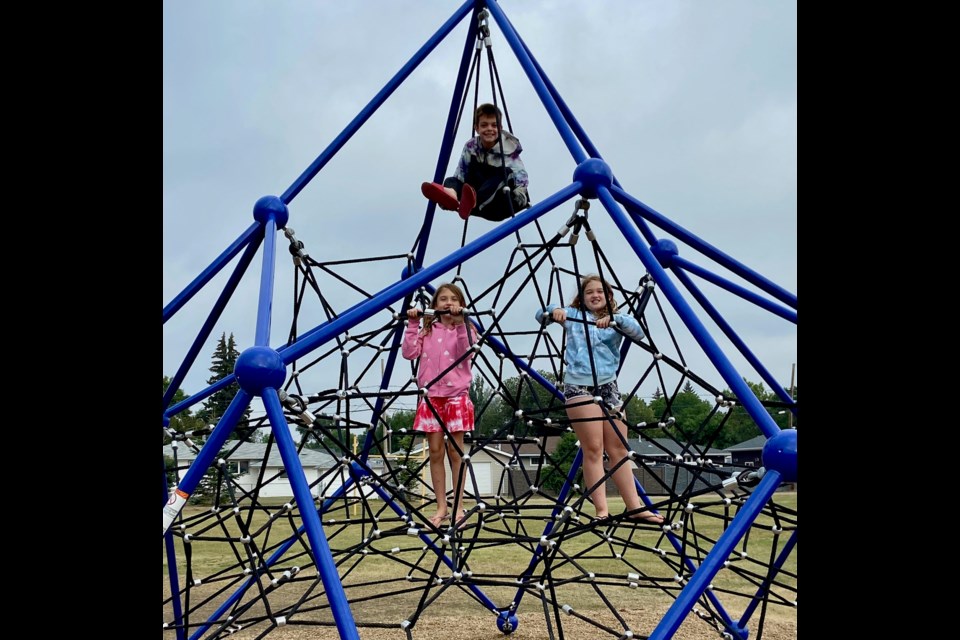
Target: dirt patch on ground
x,y
531,627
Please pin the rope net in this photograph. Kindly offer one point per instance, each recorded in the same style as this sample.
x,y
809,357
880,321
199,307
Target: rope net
x,y
529,544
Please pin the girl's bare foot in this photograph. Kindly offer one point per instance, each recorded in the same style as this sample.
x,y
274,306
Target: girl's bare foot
x,y
438,519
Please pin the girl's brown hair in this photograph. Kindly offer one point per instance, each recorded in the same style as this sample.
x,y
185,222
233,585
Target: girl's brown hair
x,y
455,290
607,289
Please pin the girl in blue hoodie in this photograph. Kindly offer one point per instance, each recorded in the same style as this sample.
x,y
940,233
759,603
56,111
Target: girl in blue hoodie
x,y
591,360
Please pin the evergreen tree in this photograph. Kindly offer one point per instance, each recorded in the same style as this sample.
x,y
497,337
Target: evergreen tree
x,y
224,361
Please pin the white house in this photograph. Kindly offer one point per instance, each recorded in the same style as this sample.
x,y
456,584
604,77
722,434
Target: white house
x,y
246,461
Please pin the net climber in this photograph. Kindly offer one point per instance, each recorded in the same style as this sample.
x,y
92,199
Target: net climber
x,y
377,501
360,544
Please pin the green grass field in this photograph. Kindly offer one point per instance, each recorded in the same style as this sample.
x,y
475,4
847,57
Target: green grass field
x,y
387,575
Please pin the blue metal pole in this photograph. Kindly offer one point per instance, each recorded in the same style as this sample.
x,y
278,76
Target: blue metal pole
x,y
360,312
481,596
201,396
538,552
733,337
446,145
375,103
212,318
545,96
172,575
205,458
777,565
700,580
208,273
634,206
265,302
311,519
690,319
750,296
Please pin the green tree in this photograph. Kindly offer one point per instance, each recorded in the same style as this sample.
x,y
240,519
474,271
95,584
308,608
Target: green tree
x,y
224,361
637,411
554,475
521,393
740,427
185,420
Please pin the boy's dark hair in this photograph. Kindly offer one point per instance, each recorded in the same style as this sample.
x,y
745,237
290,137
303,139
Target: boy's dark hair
x,y
486,109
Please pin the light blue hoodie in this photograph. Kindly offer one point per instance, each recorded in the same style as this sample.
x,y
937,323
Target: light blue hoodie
x,y
604,342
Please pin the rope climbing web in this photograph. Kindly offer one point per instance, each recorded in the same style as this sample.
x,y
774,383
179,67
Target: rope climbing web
x,y
314,514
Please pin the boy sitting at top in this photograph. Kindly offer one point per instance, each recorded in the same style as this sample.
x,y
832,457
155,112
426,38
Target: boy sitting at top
x,y
490,181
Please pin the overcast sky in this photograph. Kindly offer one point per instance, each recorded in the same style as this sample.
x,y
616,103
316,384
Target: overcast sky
x,y
692,103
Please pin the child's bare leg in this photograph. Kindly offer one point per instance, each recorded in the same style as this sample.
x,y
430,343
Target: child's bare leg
x,y
451,192
438,475
623,477
588,425
456,462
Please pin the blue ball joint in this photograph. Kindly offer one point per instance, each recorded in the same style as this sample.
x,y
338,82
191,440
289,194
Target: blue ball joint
x,y
780,454
507,622
269,207
665,251
593,173
260,368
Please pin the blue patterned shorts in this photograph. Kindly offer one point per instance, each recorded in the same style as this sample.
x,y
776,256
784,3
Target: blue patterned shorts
x,y
608,392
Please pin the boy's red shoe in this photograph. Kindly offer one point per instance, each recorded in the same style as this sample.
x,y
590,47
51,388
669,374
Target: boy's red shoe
x,y
435,193
468,200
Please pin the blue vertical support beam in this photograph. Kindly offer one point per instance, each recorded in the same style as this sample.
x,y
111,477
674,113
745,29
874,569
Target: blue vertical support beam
x,y
311,518
272,214
446,145
172,575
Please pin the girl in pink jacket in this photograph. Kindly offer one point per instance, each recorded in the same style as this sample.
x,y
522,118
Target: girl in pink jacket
x,y
440,345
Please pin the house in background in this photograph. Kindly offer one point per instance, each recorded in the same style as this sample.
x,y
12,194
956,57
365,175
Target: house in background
x,y
488,465
246,461
748,453
666,450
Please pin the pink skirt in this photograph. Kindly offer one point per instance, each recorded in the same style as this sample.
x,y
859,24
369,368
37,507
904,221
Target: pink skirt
x,y
456,413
